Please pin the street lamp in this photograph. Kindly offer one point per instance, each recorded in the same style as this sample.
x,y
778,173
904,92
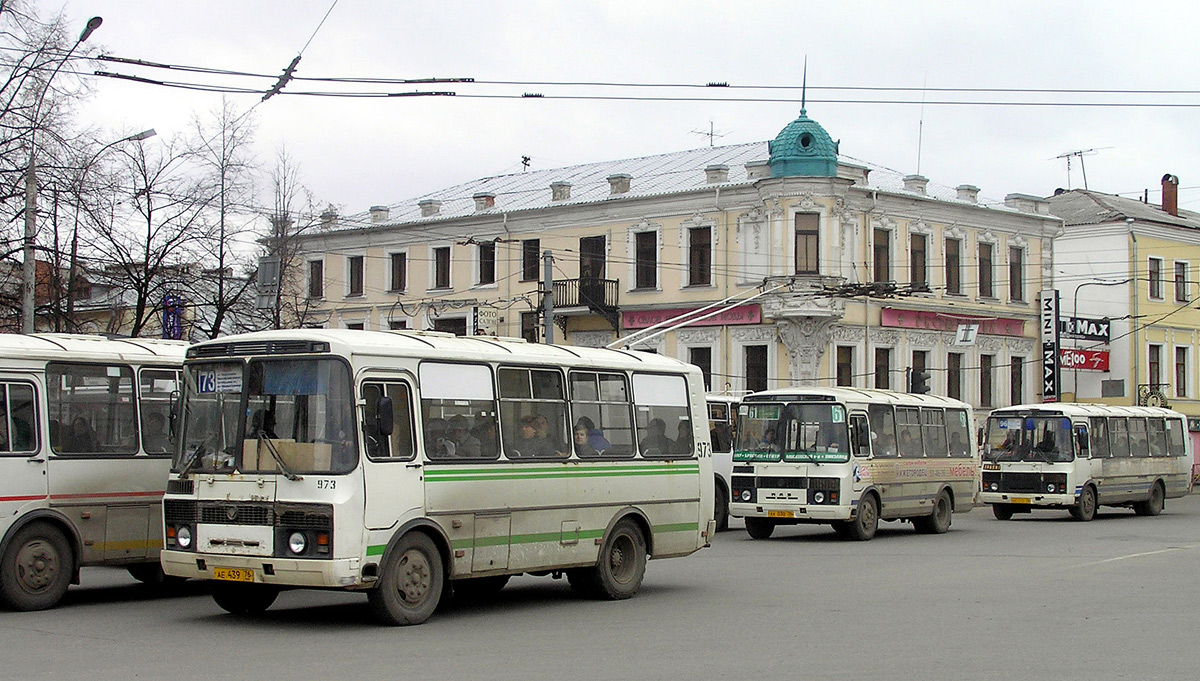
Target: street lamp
x,y
29,267
71,269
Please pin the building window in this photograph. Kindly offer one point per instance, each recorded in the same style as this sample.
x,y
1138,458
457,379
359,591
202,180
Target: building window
x,y
1016,274
487,262
354,267
591,257
953,272
454,325
1181,371
356,326
397,324
1016,380
399,278
1156,278
1154,358
699,256
646,259
756,368
882,243
529,327
845,365
441,267
316,279
986,365
1181,282
883,368
530,252
954,375
985,271
808,243
918,277
702,357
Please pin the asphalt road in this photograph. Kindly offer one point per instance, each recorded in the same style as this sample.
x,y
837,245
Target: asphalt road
x,y
1038,597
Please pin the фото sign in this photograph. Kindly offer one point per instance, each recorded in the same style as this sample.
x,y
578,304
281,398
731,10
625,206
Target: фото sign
x,y
1048,316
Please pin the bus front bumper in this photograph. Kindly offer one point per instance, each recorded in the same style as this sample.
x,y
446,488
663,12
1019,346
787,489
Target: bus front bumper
x,y
343,573
810,513
1019,499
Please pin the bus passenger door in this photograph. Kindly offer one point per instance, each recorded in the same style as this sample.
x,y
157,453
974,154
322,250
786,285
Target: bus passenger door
x,y
23,484
393,474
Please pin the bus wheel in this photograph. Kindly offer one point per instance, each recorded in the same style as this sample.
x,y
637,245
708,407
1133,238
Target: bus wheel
x,y
1153,505
721,506
244,599
622,564
1085,509
865,524
758,528
410,584
35,571
939,521
1002,511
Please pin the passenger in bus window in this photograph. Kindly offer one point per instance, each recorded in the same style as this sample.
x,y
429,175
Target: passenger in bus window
x,y
883,445
596,439
485,432
437,446
683,446
769,442
155,436
656,443
958,447
83,438
529,445
465,444
582,446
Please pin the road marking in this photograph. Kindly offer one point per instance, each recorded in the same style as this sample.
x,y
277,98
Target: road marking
x,y
1134,555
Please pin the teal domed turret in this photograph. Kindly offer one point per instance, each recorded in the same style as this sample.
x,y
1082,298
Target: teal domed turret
x,y
803,149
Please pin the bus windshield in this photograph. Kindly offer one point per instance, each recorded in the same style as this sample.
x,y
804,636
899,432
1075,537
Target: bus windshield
x,y
289,415
1029,438
805,432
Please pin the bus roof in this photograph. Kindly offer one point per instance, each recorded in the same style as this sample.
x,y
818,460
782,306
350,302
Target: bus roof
x,y
431,344
846,394
1081,409
82,347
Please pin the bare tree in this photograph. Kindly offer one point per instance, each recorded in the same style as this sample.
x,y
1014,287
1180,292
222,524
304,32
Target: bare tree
x,y
292,216
222,145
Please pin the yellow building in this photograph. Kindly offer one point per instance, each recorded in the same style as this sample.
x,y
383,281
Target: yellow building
x,y
868,272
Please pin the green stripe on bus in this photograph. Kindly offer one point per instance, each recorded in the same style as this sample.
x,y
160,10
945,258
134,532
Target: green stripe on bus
x,y
376,550
544,473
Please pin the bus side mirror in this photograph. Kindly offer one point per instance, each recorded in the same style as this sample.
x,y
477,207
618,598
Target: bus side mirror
x,y
173,416
384,416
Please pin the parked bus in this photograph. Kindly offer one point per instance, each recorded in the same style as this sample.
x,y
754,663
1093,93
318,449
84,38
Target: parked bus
x,y
1082,456
397,463
851,457
85,446
722,424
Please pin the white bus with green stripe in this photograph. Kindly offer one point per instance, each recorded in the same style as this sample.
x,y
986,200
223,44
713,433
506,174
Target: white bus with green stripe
x,y
850,457
414,465
1079,457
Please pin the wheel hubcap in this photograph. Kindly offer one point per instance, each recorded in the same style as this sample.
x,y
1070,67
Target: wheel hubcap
x,y
37,565
415,577
620,559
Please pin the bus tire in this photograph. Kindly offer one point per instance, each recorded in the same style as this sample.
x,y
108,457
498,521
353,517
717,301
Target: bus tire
x,y
36,568
1154,505
938,521
758,528
864,525
410,584
1085,509
721,505
1002,511
244,599
618,575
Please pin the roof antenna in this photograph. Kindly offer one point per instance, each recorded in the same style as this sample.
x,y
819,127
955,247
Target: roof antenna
x,y
525,163
804,86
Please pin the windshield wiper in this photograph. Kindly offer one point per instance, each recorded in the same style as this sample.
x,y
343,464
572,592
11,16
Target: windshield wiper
x,y
192,461
287,473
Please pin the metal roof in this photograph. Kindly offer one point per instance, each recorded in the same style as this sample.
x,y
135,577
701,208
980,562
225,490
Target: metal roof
x,y
1084,207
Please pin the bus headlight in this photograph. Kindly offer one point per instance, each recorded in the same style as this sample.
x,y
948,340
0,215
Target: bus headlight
x,y
183,537
297,543
1050,487
747,495
995,487
819,497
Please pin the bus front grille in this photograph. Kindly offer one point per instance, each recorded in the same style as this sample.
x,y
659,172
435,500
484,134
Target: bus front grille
x,y
237,514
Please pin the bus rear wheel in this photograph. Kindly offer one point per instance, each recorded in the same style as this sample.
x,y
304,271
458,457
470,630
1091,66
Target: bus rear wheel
x,y
244,599
1002,511
759,528
36,569
622,565
938,521
1154,505
1085,509
410,584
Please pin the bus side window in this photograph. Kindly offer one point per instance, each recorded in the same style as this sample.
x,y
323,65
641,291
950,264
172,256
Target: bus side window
x,y
860,436
1081,442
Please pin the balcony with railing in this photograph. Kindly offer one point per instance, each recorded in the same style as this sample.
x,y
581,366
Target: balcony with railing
x,y
599,296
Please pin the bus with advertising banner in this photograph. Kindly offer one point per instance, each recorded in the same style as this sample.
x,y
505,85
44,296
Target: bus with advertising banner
x,y
1079,457
850,457
85,444
411,464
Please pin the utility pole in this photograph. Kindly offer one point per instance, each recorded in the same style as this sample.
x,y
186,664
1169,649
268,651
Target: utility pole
x,y
548,296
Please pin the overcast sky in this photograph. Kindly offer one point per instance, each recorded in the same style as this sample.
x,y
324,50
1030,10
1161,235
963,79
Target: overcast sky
x,y
356,152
